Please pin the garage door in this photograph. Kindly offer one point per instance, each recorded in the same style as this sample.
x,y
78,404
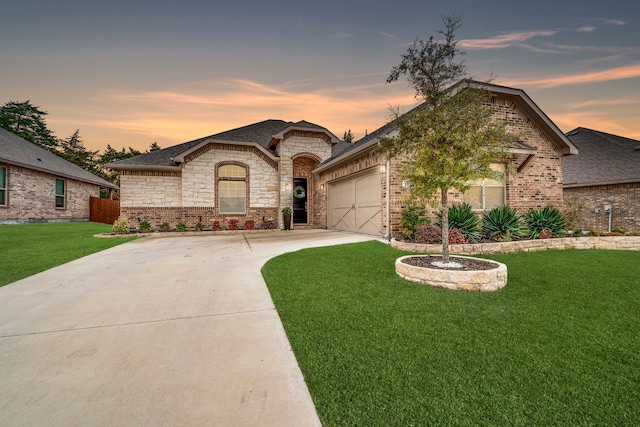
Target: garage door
x,y
354,204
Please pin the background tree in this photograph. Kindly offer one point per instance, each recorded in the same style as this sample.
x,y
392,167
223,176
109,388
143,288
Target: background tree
x,y
27,121
73,150
154,147
450,139
348,136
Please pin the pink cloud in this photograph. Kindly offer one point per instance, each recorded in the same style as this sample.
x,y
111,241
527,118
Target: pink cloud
x,y
613,21
589,29
504,40
626,72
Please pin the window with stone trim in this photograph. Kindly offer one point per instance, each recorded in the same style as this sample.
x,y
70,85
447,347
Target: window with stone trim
x,y
232,189
60,193
487,193
3,186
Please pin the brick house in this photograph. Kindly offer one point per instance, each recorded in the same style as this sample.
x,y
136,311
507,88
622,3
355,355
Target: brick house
x,y
39,186
254,171
606,172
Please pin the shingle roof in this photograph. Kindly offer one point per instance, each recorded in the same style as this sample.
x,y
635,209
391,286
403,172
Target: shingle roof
x,y
20,152
260,133
603,158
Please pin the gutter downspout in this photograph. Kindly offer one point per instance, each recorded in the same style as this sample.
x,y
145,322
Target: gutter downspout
x,y
388,170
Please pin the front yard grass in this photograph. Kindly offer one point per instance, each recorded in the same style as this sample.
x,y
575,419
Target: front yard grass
x,y
28,249
559,345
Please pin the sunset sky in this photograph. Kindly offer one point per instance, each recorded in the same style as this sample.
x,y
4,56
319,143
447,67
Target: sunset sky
x,y
128,73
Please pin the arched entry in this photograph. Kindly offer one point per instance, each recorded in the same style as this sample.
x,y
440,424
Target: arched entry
x,y
303,184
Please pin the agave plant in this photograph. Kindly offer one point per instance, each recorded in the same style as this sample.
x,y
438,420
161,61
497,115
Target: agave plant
x,y
503,223
544,221
462,217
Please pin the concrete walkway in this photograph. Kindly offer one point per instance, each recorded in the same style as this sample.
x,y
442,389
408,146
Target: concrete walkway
x,y
157,332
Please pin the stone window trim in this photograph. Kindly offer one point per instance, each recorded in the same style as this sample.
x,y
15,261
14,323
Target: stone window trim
x,y
245,179
4,186
60,201
307,154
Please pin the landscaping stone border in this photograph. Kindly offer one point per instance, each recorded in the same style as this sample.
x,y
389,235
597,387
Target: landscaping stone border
x,y
627,243
461,280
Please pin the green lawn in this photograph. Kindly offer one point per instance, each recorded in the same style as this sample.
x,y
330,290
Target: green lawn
x,y
28,249
559,345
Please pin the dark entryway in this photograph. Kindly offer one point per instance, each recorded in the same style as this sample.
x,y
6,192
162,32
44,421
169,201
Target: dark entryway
x,y
300,215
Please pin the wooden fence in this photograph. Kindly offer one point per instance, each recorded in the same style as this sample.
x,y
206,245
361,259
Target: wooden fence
x,y
105,211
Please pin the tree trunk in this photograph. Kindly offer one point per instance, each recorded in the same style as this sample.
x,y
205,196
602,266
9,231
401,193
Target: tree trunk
x,y
445,224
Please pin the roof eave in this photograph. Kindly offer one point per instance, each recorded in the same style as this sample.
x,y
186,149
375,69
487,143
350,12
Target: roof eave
x,y
143,167
60,174
180,158
539,117
350,154
597,183
280,135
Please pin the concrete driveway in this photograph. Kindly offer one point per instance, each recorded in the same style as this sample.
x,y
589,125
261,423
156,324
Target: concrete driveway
x,y
174,331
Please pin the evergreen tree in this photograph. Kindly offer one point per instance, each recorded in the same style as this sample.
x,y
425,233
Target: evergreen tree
x,y
348,137
27,121
73,150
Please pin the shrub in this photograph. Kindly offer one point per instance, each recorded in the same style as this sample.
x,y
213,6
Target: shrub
x,y
165,226
618,230
547,220
462,217
216,226
233,224
249,224
431,234
502,223
199,226
144,226
287,210
413,217
577,233
573,209
457,238
181,226
594,233
120,226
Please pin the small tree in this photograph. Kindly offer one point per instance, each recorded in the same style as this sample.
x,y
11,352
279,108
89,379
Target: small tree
x,y
450,139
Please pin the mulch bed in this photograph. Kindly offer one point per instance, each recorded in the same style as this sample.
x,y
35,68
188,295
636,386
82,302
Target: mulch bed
x,y
467,263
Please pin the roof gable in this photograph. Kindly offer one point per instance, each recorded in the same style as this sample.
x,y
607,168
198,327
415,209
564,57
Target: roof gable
x,y
604,159
20,152
262,135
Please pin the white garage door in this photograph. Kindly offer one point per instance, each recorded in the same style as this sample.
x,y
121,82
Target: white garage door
x,y
355,203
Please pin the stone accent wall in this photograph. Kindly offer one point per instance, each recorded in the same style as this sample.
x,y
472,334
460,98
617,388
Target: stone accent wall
x,y
150,188
626,243
31,197
199,180
625,199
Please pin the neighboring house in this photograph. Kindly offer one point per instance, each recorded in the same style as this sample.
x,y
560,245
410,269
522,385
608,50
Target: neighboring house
x,y
254,171
39,186
606,172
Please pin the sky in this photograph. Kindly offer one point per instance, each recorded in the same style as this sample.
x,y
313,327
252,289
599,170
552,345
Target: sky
x,y
130,73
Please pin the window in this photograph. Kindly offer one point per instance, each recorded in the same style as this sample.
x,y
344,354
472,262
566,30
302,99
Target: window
x,y
487,193
232,189
60,193
3,186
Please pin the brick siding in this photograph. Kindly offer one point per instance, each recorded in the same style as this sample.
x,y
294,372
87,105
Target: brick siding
x,y
624,198
31,197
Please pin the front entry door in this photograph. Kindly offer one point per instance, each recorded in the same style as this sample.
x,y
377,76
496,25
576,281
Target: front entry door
x,y
300,201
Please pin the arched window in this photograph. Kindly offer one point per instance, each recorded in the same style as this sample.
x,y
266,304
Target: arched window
x,y
232,189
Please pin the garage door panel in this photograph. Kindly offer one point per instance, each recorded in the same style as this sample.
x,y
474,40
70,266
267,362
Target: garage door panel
x,y
355,204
